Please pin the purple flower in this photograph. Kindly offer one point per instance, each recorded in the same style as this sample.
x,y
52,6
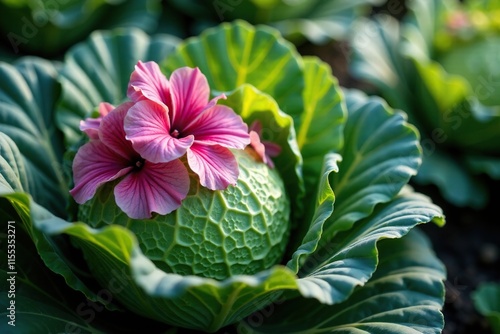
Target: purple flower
x,y
143,187
173,118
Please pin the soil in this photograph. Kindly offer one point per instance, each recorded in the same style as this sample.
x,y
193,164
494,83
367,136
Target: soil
x,y
469,243
469,247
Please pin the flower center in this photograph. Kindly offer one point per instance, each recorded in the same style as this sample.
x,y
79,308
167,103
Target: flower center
x,y
138,164
175,133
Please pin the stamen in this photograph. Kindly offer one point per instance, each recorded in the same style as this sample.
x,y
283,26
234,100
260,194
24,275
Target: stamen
x,y
139,164
175,133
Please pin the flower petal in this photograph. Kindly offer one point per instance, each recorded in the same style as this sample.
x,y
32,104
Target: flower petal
x,y
190,93
112,134
91,125
95,164
155,188
105,108
222,126
272,149
215,165
256,126
258,147
264,149
148,82
147,126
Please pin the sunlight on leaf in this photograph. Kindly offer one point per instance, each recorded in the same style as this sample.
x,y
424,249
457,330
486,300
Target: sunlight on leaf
x,y
28,93
405,295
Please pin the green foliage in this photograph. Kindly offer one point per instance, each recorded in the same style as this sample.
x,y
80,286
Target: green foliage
x,y
28,93
346,256
314,20
231,55
33,291
381,153
346,198
47,28
438,65
487,302
403,296
320,129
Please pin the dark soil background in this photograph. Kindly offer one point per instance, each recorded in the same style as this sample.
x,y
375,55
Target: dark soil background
x,y
469,243
469,246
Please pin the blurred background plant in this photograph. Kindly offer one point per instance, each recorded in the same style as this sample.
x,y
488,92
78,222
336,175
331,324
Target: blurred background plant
x,y
316,21
487,302
439,62
441,65
47,28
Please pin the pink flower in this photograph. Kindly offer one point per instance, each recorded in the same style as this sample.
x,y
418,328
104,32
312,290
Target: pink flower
x,y
264,149
457,21
143,187
173,118
91,125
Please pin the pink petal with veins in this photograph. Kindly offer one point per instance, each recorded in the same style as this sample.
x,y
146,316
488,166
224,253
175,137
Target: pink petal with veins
x,y
148,82
170,117
91,125
220,125
148,127
112,134
105,108
156,188
95,164
190,93
215,165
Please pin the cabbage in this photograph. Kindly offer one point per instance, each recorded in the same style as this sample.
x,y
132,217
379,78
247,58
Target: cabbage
x,y
344,258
